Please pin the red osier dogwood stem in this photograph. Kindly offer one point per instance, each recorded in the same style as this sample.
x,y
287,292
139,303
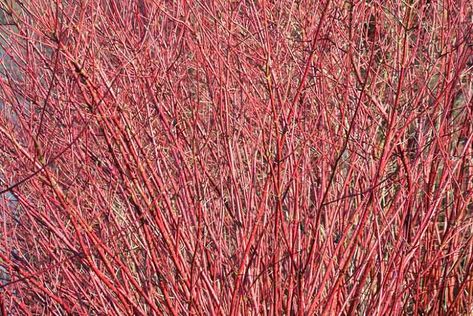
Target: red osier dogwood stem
x,y
236,157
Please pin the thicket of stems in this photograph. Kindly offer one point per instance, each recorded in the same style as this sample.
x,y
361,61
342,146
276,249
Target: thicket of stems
x,y
236,157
